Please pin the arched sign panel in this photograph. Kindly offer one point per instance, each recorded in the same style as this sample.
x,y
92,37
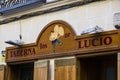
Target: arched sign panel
x,y
58,39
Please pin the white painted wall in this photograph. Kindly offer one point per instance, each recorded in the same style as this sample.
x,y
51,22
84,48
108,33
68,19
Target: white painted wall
x,y
80,18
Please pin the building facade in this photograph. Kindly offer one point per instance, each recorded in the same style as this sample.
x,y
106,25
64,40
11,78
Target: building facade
x,y
62,39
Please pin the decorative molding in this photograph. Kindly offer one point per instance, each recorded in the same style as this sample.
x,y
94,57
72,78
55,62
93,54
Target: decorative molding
x,y
65,62
41,64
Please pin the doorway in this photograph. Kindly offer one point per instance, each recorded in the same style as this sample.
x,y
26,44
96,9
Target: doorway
x,y
98,68
26,72
22,71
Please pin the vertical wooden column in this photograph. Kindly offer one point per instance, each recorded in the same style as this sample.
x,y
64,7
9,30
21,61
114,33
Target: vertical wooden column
x,y
65,69
118,66
1,72
41,70
8,73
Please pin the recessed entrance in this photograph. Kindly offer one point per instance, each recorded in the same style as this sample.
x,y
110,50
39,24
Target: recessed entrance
x,y
22,71
26,72
98,68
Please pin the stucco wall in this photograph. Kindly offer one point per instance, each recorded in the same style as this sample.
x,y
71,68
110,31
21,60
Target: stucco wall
x,y
80,17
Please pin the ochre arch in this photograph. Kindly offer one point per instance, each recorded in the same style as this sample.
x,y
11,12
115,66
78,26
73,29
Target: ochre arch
x,y
55,22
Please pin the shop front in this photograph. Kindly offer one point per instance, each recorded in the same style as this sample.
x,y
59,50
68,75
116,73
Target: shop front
x,y
60,54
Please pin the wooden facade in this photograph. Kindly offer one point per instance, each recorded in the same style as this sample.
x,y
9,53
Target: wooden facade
x,y
41,70
94,55
66,69
71,44
2,72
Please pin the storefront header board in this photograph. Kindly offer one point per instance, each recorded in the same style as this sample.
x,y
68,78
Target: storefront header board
x,y
58,39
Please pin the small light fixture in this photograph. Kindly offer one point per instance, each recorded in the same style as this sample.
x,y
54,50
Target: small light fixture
x,y
3,57
3,53
92,30
15,43
18,43
117,26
